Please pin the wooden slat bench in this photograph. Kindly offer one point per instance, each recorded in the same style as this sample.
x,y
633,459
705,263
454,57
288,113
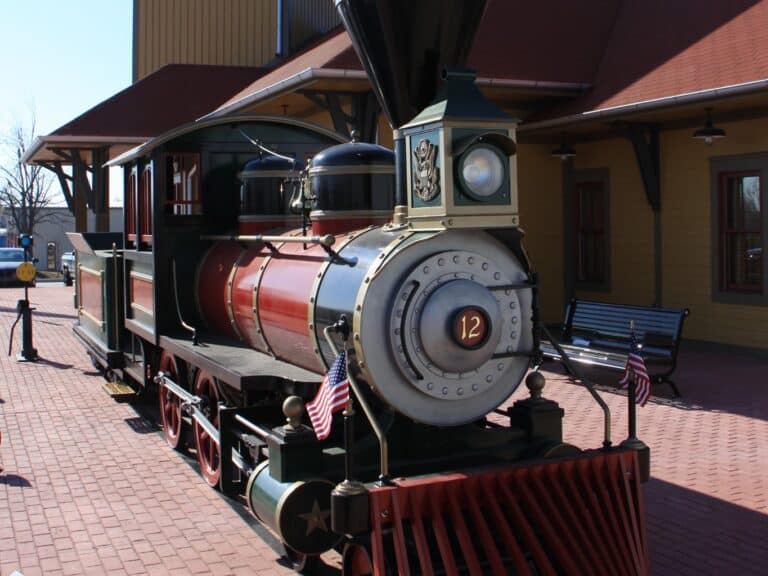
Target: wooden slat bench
x,y
599,334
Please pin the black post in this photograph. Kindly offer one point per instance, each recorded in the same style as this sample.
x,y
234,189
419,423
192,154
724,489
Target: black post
x,y
632,418
349,439
632,441
28,352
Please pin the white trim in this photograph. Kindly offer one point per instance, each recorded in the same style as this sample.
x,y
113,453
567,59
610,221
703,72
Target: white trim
x,y
652,104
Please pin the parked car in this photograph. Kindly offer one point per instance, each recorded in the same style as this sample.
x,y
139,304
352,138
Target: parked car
x,y
67,262
10,258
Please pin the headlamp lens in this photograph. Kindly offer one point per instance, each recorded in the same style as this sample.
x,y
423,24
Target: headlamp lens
x,y
482,171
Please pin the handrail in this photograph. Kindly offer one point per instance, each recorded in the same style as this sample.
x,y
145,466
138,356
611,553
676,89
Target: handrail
x,y
380,435
587,384
326,240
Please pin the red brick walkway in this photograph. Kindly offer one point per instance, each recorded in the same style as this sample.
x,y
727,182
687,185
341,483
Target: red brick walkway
x,y
90,487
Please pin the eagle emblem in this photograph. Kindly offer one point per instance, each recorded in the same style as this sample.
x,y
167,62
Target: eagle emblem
x,y
426,176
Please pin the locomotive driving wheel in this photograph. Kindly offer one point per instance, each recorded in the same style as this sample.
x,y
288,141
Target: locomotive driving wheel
x,y
208,453
170,404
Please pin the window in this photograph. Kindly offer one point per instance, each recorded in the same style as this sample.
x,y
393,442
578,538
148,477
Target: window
x,y
739,226
590,230
130,208
145,205
741,232
183,184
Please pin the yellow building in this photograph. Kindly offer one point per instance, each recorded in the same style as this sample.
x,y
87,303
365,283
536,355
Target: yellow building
x,y
643,213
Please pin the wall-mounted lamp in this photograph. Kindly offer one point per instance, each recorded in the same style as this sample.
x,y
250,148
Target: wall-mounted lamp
x,y
709,131
565,150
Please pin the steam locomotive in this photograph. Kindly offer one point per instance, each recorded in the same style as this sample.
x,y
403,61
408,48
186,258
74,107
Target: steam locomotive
x,y
259,250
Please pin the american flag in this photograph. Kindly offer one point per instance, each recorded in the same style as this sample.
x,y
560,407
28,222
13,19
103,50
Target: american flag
x,y
331,397
636,372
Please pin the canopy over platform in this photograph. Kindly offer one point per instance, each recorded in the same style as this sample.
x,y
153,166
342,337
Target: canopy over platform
x,y
595,64
174,95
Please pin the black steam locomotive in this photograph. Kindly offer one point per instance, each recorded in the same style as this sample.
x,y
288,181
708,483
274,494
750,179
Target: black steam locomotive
x,y
263,259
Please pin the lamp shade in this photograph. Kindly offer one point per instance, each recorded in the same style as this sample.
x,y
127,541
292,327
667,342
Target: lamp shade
x,y
709,132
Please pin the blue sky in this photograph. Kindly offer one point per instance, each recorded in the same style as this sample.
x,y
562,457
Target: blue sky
x,y
60,58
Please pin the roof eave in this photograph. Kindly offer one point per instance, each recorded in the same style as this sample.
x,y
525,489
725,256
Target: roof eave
x,y
46,142
649,105
309,75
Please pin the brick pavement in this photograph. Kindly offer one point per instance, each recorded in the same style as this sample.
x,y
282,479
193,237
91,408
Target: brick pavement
x,y
90,487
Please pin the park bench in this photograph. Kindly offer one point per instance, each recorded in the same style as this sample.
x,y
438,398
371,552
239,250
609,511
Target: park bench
x,y
600,334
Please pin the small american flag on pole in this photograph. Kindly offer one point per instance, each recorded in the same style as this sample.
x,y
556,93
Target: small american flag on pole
x,y
331,397
636,372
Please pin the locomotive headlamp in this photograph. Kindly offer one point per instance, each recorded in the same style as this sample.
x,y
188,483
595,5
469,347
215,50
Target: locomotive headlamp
x,y
481,172
461,163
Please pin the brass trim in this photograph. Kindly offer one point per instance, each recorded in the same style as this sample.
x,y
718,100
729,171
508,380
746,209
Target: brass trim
x,y
142,276
267,174
312,304
230,286
279,218
266,348
348,170
341,214
91,317
91,271
140,308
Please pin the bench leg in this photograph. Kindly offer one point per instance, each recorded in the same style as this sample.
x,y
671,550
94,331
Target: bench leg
x,y
663,379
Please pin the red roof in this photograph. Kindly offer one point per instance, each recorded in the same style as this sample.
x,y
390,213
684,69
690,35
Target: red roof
x,y
628,51
171,96
659,49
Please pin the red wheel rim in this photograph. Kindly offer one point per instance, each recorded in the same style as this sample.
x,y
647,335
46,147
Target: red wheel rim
x,y
170,404
207,450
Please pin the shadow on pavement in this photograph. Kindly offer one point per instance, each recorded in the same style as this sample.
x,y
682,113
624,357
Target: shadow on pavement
x,y
684,527
14,480
54,364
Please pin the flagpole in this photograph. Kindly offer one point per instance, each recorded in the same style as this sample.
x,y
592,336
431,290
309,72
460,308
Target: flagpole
x,y
633,442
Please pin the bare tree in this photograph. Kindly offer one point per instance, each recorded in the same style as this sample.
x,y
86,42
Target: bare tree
x,y
25,190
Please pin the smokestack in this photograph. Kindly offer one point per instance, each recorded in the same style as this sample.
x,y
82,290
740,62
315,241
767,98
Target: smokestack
x,y
405,44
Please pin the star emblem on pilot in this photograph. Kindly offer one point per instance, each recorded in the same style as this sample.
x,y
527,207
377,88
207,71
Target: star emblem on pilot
x,y
316,518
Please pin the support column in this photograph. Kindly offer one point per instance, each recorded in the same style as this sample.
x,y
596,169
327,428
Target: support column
x,y
645,141
100,189
80,191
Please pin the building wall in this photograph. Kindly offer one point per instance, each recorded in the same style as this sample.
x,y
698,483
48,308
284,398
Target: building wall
x,y
224,32
630,223
54,229
686,222
540,194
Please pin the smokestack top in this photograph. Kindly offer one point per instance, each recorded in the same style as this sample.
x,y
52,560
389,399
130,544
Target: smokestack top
x,y
405,45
